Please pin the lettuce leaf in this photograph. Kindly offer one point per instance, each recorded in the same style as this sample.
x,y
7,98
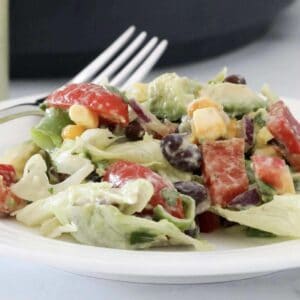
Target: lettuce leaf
x,y
102,148
35,185
219,78
281,216
106,226
97,214
131,198
146,152
171,197
47,134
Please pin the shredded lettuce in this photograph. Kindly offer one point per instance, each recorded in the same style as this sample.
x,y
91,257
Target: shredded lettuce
x,y
219,77
35,185
47,134
130,198
146,152
106,226
97,214
171,197
269,94
279,216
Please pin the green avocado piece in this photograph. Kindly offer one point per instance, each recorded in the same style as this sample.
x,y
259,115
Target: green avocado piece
x,y
236,99
170,94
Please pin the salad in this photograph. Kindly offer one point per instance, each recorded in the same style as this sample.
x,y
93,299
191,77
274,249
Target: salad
x,y
157,165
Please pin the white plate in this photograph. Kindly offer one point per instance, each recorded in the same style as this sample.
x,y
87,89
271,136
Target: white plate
x,y
235,256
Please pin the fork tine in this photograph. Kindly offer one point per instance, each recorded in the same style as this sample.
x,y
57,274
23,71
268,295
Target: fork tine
x,y
103,58
126,71
118,62
144,68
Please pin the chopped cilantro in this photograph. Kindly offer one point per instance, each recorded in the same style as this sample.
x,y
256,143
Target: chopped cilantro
x,y
253,232
139,237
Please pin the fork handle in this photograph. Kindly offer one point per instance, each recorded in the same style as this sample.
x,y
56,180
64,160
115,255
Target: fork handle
x,y
19,110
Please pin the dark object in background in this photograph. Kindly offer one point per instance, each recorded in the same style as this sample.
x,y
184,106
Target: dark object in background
x,y
57,38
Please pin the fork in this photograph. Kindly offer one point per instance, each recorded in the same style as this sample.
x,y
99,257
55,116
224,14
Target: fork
x,y
121,72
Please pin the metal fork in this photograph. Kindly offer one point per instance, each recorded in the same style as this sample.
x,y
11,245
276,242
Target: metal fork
x,y
122,71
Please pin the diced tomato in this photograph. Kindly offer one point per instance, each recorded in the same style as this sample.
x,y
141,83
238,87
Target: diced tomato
x,y
122,171
208,222
286,130
224,169
106,104
8,201
8,173
294,160
274,172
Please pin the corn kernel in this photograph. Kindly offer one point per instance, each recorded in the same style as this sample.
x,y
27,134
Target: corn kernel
x,y
208,124
232,129
82,116
263,137
267,151
202,103
70,132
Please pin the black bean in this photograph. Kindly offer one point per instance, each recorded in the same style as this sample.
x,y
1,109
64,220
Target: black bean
x,y
94,176
134,131
193,189
180,153
237,79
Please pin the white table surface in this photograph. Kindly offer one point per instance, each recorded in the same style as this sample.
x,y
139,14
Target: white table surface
x,y
274,58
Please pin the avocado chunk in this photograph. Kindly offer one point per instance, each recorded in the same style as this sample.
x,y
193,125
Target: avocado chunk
x,y
170,94
236,99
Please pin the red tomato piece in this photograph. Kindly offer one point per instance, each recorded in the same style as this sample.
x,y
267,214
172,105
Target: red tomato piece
x,y
8,201
8,173
122,171
274,172
286,129
106,104
208,222
294,160
224,169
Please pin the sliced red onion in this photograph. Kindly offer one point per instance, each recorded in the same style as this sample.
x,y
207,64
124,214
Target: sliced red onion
x,y
248,132
140,111
245,200
149,120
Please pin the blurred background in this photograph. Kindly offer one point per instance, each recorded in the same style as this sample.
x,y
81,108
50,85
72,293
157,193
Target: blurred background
x,y
50,41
